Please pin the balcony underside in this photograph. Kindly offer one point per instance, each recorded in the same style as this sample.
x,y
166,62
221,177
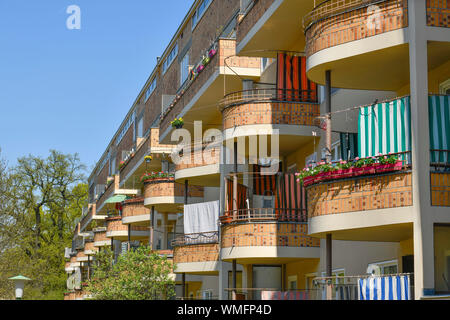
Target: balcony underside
x,y
268,254
122,235
278,28
169,204
137,220
198,268
347,226
207,175
377,63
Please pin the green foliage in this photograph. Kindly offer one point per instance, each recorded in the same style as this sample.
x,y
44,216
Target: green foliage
x,y
40,199
137,275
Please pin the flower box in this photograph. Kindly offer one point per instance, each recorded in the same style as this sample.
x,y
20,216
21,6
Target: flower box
x,y
341,173
380,168
322,176
364,170
308,180
212,53
200,68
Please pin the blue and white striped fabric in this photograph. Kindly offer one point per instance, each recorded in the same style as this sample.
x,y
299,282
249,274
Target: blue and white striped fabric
x,y
384,288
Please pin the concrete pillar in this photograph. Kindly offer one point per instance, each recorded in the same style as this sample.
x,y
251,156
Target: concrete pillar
x,y
422,217
152,227
183,285
165,231
233,270
328,113
129,237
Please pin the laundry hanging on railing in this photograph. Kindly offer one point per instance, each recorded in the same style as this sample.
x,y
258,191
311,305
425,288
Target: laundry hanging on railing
x,y
396,287
439,122
292,82
285,295
384,128
201,217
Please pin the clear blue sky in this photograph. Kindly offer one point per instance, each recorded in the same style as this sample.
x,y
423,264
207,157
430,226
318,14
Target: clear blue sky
x,y
69,90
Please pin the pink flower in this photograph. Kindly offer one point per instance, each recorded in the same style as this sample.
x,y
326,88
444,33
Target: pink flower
x,y
298,180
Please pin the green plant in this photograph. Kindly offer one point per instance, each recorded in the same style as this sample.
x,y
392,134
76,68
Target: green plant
x,y
387,159
156,175
177,122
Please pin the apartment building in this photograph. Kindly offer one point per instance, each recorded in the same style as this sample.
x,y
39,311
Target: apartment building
x,y
266,88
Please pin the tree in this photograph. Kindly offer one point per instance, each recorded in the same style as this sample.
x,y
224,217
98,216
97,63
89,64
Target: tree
x,y
138,274
40,199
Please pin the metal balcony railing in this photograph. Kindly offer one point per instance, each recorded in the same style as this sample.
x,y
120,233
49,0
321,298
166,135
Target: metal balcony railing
x,y
268,94
196,238
265,214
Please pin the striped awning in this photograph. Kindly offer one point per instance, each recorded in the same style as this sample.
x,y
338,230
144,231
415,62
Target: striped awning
x,y
439,121
384,128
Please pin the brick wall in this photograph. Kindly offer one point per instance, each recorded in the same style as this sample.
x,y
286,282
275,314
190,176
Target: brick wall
x,y
360,194
440,189
135,208
170,189
196,253
355,25
270,113
438,13
208,157
124,145
267,234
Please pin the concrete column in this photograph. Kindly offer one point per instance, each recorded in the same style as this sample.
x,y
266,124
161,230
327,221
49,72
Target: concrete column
x,y
165,231
422,215
233,270
129,237
183,285
328,112
152,227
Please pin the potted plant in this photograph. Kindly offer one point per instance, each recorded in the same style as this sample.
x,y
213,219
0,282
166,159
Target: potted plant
x,y
212,52
177,123
200,68
206,60
388,163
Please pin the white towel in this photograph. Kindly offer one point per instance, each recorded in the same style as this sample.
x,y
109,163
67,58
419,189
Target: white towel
x,y
201,217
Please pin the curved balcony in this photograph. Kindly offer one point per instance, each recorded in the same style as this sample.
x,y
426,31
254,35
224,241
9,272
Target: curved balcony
x,y
262,111
199,164
134,212
267,234
339,31
374,207
167,196
81,256
119,231
89,248
197,253
100,239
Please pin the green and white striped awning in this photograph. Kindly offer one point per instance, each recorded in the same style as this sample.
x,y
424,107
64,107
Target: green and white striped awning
x,y
439,119
384,128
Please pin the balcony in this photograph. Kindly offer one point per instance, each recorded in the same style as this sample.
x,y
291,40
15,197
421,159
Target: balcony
x,y
197,253
167,196
134,212
100,239
90,248
440,178
119,231
90,217
261,23
266,233
336,22
199,164
197,98
136,165
261,111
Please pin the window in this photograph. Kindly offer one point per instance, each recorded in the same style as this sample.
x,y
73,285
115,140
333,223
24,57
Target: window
x,y
444,87
184,69
140,128
384,267
150,89
311,159
199,12
266,62
337,273
125,128
112,166
292,282
170,57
